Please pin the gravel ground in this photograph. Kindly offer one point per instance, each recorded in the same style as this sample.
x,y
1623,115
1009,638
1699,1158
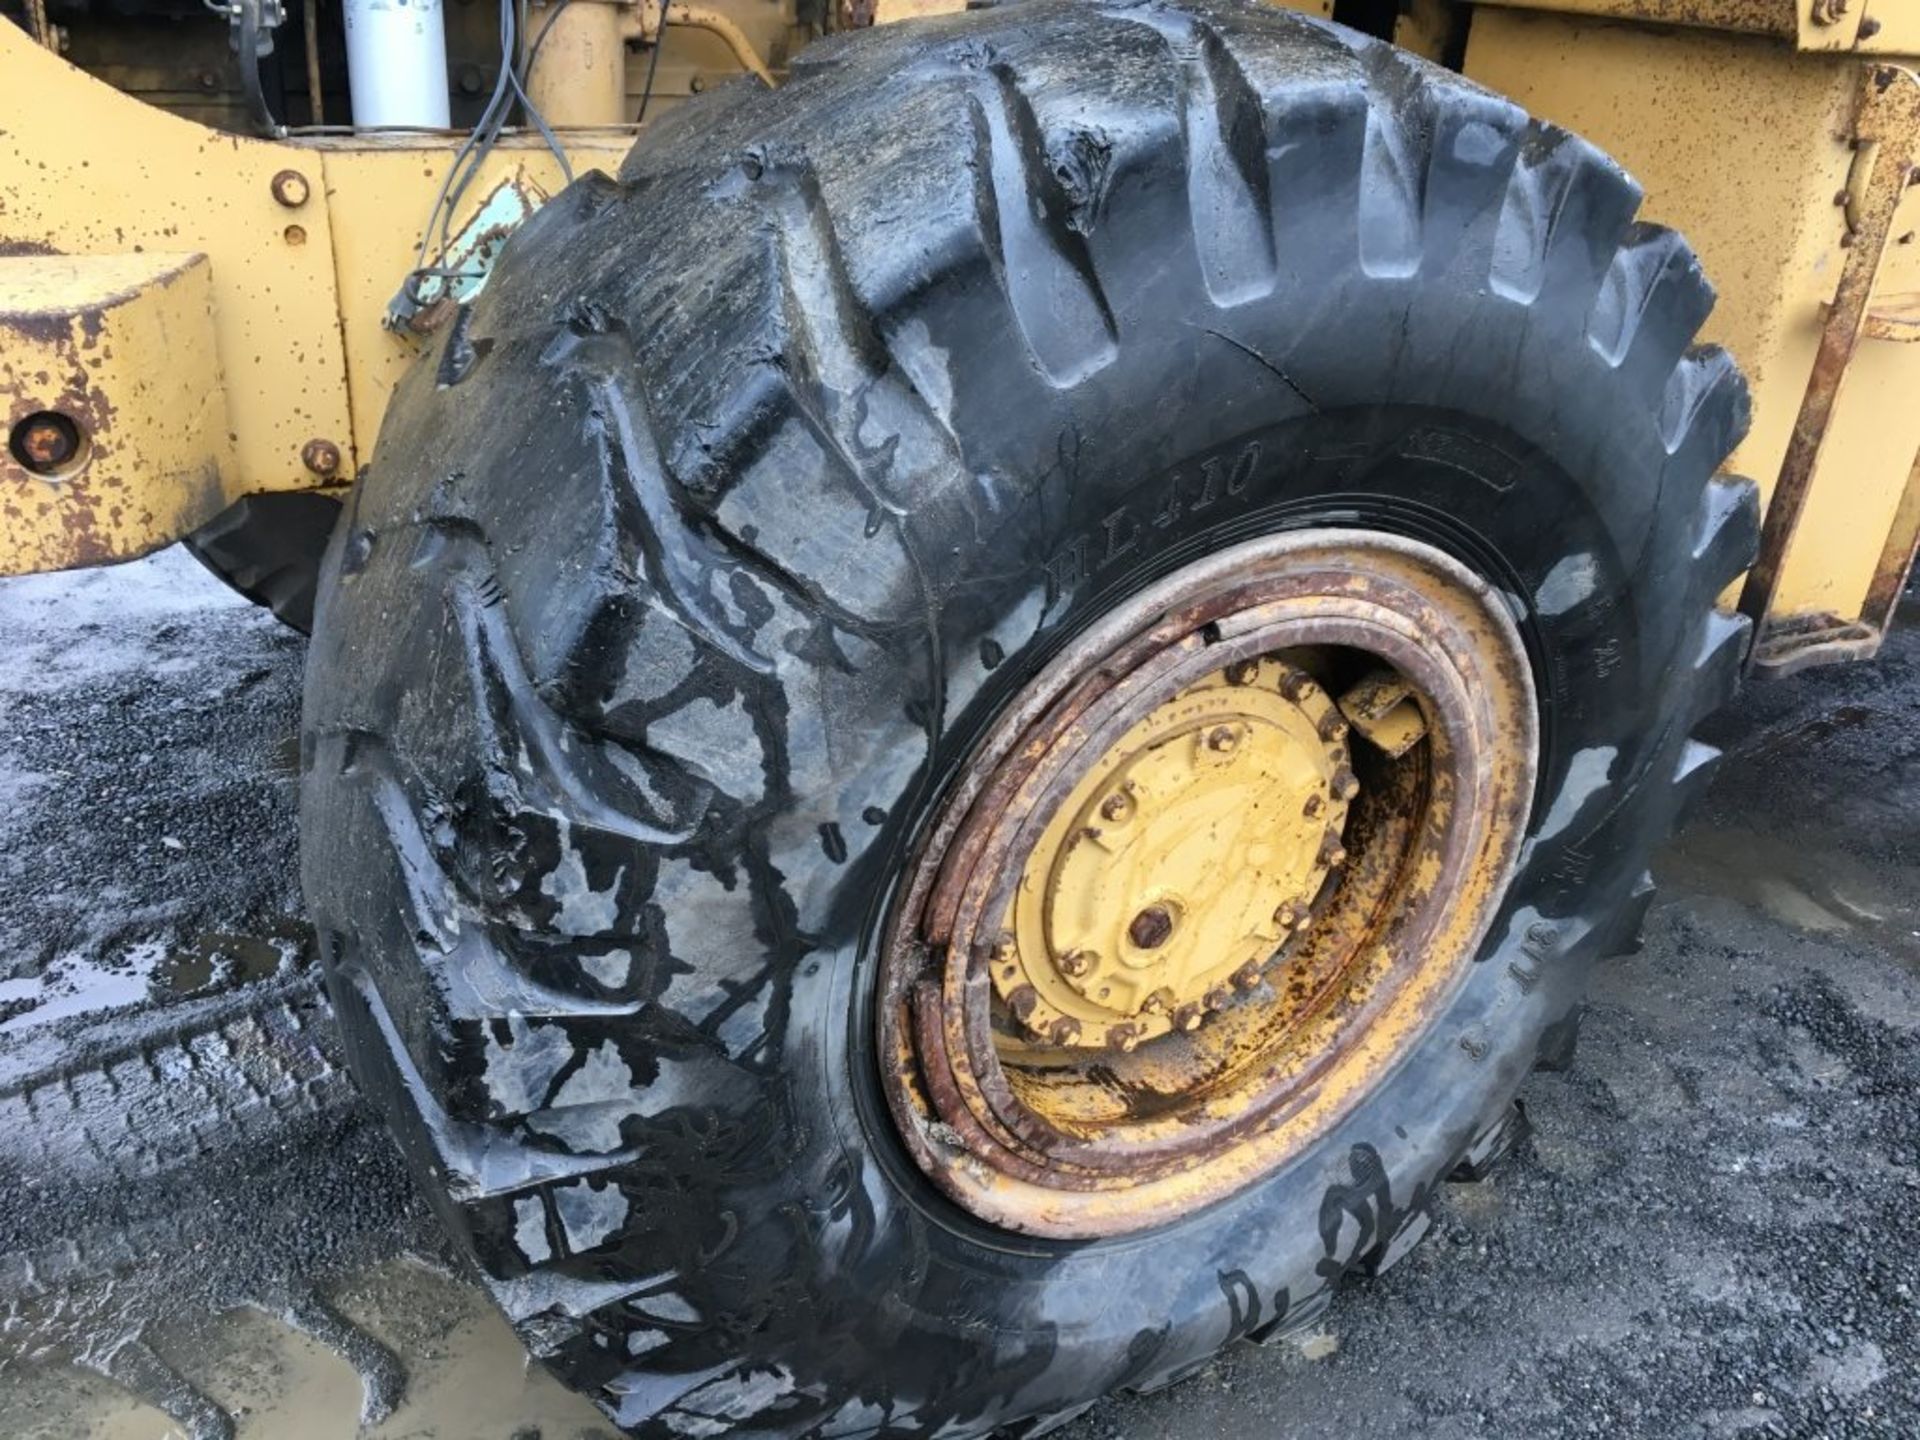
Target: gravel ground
x,y
1711,1232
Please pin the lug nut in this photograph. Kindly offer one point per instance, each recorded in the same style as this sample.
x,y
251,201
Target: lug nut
x,y
1247,977
1243,672
1313,806
1064,1031
1123,1037
1116,807
1151,928
1222,739
1288,915
1023,1002
1332,727
1160,1002
1003,948
1188,1018
1332,853
1296,685
1218,997
1346,784
1076,963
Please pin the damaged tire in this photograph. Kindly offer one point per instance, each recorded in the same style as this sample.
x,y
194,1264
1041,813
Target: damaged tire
x,y
707,562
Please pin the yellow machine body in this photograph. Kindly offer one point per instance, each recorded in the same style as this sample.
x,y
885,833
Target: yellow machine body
x,y
211,309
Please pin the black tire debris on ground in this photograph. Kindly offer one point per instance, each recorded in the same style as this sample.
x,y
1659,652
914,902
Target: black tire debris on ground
x,y
1710,1231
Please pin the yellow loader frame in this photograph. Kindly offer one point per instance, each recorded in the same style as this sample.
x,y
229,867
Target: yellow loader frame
x,y
189,317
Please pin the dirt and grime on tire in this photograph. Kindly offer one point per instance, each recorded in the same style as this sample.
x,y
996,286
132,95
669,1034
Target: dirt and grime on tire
x,y
1710,1231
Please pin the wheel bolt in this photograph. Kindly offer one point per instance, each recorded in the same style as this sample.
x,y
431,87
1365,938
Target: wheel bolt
x,y
1116,807
1247,977
1243,672
1296,685
1218,997
1151,928
1332,853
1313,806
1288,915
1333,727
1222,739
1160,1002
1022,1002
1064,1031
1346,784
1123,1037
1076,963
1188,1017
1003,948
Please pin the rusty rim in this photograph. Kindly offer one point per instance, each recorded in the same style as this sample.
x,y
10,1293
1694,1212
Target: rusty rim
x,y
1177,917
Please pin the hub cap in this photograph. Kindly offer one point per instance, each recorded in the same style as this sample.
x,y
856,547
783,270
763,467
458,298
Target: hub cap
x,y
1180,862
1176,918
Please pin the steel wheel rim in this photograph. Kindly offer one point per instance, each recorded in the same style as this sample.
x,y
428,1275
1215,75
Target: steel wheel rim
x,y
1034,1143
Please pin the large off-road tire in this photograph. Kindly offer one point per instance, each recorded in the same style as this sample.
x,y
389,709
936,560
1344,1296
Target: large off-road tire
x,y
714,537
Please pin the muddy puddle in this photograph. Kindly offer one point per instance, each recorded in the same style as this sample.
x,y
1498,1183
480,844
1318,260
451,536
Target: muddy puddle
x,y
151,972
1819,890
468,1378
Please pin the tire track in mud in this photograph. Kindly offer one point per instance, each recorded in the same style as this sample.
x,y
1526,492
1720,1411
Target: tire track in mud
x,y
178,1134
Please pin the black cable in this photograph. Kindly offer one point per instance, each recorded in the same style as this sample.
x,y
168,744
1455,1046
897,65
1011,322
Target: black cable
x,y
541,38
247,18
653,65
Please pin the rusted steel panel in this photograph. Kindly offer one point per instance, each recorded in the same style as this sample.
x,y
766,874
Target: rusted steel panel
x,y
1880,27
116,417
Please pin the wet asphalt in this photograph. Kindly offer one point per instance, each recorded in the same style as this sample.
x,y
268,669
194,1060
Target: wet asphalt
x,y
1712,1230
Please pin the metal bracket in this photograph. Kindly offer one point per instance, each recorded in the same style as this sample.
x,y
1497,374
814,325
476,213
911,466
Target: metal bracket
x,y
250,27
1887,147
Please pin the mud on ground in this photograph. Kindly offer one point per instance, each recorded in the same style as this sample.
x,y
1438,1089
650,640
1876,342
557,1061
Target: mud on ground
x,y
1711,1232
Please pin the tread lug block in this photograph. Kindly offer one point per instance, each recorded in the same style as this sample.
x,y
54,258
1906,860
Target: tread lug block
x,y
1476,143
1036,1426
1727,536
1295,1319
1626,930
1168,1378
1692,776
1491,1146
1566,210
1228,202
1045,271
1411,1230
1653,301
1705,410
1559,1042
1394,166
1717,665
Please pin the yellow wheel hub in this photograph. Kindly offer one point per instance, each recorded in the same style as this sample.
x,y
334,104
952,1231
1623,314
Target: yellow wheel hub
x,y
1181,863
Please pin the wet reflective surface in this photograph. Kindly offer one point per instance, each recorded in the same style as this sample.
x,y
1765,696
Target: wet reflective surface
x,y
1710,1233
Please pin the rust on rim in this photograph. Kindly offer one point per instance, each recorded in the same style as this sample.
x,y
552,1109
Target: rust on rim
x,y
1176,917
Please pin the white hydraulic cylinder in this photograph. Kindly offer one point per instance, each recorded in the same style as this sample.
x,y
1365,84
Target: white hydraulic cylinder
x,y
397,63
